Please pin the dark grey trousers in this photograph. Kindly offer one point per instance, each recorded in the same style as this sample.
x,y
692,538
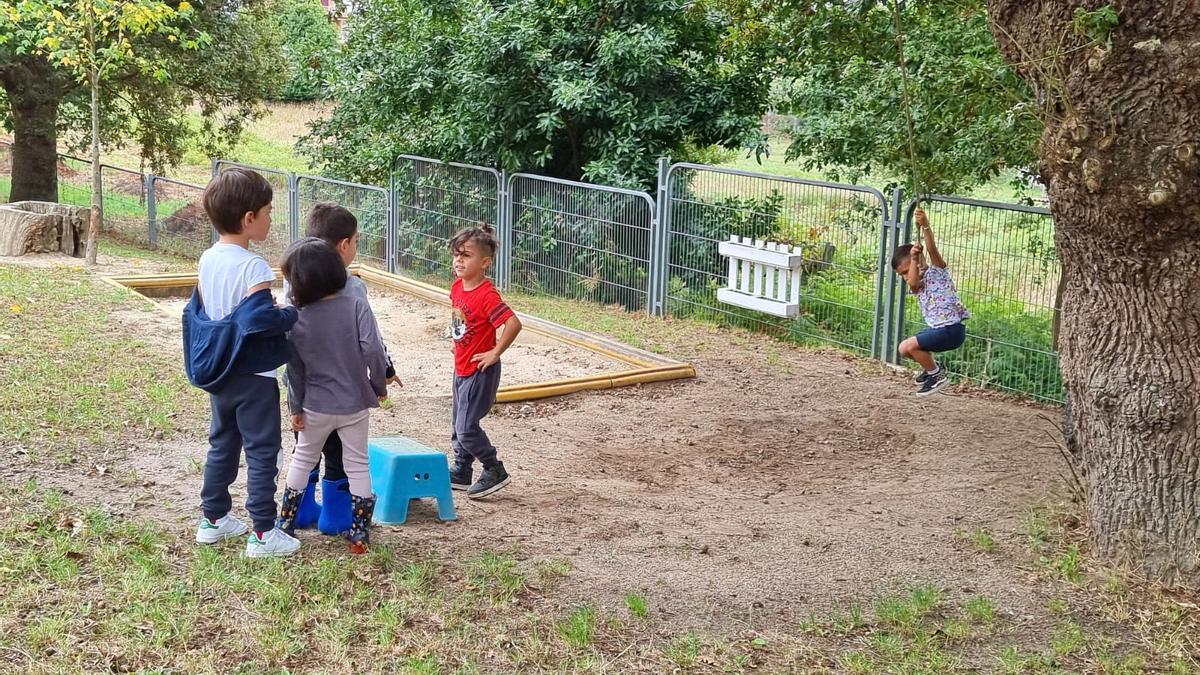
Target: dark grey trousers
x,y
474,397
245,415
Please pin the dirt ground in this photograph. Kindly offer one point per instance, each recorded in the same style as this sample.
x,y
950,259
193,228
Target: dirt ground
x,y
777,484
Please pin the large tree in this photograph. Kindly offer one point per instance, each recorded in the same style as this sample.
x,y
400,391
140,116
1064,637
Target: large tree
x,y
223,79
1121,87
92,40
574,88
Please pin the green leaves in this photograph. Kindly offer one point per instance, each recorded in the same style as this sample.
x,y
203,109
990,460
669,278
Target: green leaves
x,y
102,36
573,88
309,45
972,115
159,62
1097,25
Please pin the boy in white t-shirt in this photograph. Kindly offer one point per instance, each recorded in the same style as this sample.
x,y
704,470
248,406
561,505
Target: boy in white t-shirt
x,y
245,410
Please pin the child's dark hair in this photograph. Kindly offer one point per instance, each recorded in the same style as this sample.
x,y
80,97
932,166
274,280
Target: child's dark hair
x,y
330,222
483,235
902,252
232,194
313,270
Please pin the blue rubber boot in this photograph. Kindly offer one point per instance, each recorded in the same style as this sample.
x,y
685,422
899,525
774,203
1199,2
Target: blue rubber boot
x,y
336,516
310,508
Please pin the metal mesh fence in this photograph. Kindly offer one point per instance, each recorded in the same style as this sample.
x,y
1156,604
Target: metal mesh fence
x,y
839,229
282,215
581,241
368,203
74,181
606,245
433,200
181,227
1004,265
126,214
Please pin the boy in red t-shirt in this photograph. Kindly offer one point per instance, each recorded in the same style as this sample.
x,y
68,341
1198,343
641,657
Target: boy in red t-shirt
x,y
479,312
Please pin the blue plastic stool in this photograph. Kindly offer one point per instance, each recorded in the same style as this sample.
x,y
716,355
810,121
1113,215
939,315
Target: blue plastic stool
x,y
401,470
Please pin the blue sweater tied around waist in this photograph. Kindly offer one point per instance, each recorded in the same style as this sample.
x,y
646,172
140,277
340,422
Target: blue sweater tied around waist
x,y
252,339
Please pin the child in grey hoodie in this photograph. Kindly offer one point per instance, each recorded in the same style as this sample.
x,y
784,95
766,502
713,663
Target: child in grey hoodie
x,y
337,373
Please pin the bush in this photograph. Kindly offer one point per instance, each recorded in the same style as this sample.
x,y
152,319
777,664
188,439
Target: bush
x,y
595,90
310,43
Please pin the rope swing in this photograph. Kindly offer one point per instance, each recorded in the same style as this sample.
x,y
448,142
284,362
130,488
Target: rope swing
x,y
906,104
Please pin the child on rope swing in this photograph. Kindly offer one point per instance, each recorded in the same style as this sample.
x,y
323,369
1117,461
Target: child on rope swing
x,y
943,311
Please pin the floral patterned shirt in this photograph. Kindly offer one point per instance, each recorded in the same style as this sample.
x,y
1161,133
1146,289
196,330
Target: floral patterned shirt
x,y
939,299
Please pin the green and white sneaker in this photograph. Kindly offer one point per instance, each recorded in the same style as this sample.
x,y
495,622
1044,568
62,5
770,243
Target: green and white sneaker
x,y
271,545
211,533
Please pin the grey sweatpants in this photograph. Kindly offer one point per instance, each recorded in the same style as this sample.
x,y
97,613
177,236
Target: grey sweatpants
x,y
352,429
474,397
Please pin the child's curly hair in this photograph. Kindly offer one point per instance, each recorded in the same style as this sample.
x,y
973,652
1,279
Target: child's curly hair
x,y
484,236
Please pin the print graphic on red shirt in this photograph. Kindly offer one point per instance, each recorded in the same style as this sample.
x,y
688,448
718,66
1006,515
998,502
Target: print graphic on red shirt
x,y
476,316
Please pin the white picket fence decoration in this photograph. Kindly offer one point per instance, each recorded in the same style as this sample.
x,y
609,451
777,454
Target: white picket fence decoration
x,y
763,276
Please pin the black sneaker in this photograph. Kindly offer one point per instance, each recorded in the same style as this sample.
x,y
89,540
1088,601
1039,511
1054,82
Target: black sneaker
x,y
489,481
921,377
933,384
460,476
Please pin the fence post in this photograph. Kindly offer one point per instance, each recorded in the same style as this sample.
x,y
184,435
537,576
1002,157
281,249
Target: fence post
x,y
393,221
890,345
880,320
659,241
293,206
505,230
151,211
904,234
216,169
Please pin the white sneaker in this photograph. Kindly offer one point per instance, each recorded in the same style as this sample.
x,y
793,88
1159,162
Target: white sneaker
x,y
211,533
273,544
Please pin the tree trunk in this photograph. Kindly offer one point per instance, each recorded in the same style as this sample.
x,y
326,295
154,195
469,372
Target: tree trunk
x,y
1119,157
31,86
97,185
1074,453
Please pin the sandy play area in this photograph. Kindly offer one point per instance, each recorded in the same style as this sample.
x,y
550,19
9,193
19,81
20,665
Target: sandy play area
x,y
417,336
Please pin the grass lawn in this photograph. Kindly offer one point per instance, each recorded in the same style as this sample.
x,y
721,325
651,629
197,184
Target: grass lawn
x,y
59,333
268,142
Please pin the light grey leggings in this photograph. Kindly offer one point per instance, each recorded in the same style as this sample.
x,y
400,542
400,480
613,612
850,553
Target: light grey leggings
x,y
352,429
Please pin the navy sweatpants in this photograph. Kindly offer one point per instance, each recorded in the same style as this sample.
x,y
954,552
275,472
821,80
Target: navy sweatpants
x,y
245,416
474,397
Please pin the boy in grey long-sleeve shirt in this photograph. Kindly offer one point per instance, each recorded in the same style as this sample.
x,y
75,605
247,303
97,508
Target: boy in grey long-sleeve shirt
x,y
337,373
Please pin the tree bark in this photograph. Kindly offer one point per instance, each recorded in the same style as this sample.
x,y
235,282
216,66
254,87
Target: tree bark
x,y
97,184
33,92
1074,453
1119,158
